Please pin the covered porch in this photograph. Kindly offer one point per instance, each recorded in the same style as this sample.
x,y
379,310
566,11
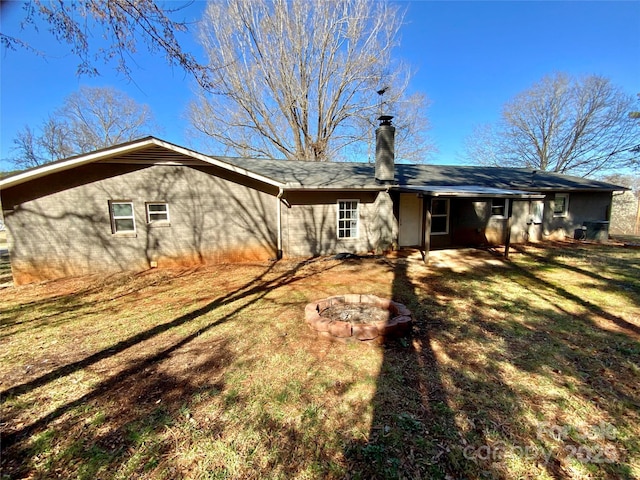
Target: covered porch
x,y
433,218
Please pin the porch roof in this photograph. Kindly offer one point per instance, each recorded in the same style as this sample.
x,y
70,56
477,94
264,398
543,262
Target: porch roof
x,y
468,191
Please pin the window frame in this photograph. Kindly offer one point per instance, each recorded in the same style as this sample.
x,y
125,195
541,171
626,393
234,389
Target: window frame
x,y
505,207
339,229
441,215
149,213
114,218
565,207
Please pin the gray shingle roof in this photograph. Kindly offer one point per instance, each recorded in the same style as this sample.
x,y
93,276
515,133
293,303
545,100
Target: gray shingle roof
x,y
310,174
361,175
330,175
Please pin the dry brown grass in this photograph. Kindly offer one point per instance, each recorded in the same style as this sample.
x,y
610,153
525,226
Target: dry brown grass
x,y
520,369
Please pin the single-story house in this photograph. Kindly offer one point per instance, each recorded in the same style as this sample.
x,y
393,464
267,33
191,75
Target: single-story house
x,y
149,203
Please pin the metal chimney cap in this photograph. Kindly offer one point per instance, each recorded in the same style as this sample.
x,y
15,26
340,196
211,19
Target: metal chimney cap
x,y
385,119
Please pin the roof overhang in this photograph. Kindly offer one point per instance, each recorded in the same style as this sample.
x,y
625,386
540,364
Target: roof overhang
x,y
110,154
578,189
374,188
467,191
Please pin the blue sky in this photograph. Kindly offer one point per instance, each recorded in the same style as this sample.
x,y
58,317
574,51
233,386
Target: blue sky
x,y
469,58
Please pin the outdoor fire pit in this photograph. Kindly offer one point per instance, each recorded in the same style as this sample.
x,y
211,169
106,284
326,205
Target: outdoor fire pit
x,y
361,317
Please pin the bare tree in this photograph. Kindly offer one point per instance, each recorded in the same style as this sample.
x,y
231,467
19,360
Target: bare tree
x,y
27,147
299,79
121,23
51,143
89,119
635,115
55,139
101,117
562,124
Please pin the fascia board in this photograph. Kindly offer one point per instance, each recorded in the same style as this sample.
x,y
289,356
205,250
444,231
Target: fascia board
x,y
74,162
336,189
106,154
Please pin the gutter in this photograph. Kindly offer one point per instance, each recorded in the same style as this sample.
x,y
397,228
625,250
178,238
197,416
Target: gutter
x,y
339,189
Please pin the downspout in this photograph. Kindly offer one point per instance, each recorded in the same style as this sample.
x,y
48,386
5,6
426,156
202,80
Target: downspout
x,y
279,216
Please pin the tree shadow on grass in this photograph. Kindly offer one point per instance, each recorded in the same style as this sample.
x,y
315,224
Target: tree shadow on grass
x,y
54,308
497,384
258,285
498,362
121,425
618,271
132,406
413,432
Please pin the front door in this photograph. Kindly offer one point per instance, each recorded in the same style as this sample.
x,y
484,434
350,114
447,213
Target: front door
x,y
410,228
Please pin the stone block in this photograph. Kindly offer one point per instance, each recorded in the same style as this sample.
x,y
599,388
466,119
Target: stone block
x,y
365,331
338,300
384,303
352,298
311,314
386,327
340,329
321,324
400,309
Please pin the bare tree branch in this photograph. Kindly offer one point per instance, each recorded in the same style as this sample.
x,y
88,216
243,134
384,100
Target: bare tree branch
x,y
89,119
298,79
122,23
563,124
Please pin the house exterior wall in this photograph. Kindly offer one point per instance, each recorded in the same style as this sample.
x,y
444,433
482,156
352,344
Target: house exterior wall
x,y
310,223
60,225
471,222
583,207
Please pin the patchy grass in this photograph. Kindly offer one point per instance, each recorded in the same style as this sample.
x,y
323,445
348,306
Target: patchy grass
x,y
521,369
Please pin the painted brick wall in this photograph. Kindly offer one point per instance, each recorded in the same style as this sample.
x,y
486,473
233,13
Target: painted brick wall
x,y
583,207
310,224
60,225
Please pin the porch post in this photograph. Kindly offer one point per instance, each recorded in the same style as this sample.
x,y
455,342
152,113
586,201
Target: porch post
x,y
507,240
426,229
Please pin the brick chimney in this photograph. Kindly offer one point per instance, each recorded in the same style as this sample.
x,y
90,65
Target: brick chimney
x,y
385,150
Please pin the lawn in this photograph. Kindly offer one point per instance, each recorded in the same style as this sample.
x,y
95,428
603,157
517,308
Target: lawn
x,y
527,368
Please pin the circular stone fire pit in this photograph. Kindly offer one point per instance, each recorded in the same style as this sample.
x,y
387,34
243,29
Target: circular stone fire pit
x,y
363,317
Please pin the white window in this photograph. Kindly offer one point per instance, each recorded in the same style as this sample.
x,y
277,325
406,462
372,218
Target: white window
x,y
122,217
157,212
561,205
499,207
439,216
537,211
347,218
